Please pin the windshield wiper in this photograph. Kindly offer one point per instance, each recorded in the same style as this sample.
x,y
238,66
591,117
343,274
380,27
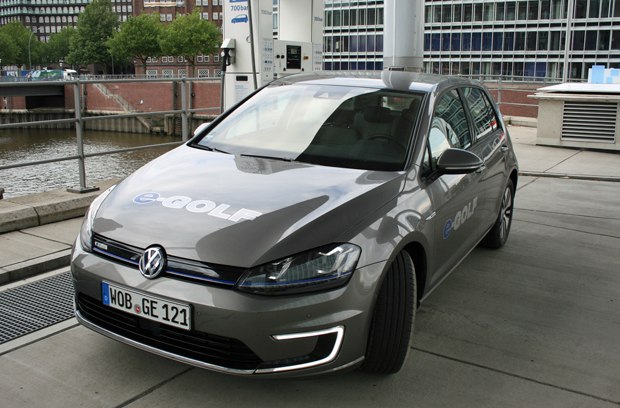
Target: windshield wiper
x,y
209,148
286,159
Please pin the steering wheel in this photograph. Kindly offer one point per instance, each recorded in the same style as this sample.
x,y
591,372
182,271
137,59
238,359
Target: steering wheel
x,y
389,139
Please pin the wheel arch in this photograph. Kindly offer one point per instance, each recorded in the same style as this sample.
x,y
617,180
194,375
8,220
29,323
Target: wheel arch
x,y
514,176
418,254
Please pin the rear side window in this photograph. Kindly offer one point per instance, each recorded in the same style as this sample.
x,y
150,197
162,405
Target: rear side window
x,y
483,115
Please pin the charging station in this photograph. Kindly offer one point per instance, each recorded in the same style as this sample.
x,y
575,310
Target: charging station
x,y
252,58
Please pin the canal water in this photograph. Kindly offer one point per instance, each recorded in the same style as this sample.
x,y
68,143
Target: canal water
x,y
26,145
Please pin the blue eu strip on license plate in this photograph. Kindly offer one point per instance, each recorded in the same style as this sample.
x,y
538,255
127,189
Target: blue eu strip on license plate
x,y
145,305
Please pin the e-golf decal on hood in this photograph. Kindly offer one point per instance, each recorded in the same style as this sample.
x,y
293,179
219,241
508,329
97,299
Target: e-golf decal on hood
x,y
197,206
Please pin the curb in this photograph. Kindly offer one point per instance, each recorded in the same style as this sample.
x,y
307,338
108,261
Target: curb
x,y
35,266
570,176
22,212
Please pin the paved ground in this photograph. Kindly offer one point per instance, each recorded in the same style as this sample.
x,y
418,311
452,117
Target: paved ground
x,y
534,324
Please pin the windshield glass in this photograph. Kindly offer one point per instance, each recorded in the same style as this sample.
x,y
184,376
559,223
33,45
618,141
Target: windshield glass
x,y
338,126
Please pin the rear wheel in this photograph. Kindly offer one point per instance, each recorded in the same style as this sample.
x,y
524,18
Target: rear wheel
x,y
498,235
393,318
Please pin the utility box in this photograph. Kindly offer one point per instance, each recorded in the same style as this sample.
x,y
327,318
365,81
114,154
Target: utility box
x,y
292,57
579,115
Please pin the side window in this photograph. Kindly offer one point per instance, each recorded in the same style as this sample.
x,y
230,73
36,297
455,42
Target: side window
x,y
449,128
485,121
450,110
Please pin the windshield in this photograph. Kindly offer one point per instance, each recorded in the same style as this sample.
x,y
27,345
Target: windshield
x,y
338,126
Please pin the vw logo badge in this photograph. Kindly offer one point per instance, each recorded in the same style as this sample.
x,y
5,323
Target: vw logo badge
x,y
152,262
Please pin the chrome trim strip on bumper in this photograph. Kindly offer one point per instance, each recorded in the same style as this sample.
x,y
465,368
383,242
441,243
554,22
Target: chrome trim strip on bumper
x,y
339,330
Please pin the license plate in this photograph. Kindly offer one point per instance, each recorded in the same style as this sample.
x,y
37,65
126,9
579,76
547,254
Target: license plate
x,y
147,306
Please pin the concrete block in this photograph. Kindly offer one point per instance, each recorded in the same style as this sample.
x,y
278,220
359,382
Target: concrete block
x,y
70,207
522,121
16,216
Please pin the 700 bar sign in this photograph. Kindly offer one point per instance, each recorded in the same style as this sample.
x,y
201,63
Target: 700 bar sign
x,y
150,307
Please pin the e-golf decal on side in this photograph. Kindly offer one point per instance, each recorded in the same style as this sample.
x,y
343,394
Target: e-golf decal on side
x,y
460,218
197,206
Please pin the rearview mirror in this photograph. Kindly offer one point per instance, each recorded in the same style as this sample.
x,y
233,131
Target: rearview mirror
x,y
458,161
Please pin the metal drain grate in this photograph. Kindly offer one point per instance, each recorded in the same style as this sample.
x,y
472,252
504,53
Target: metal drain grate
x,y
35,305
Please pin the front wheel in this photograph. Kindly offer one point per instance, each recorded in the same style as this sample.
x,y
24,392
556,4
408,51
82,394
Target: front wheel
x,y
392,322
498,234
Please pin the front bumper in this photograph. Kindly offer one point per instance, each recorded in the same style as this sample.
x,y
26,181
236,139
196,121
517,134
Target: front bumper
x,y
234,332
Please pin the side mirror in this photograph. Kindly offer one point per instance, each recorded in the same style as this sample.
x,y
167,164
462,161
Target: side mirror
x,y
200,128
458,161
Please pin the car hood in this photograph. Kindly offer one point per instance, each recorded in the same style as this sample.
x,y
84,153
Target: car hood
x,y
239,211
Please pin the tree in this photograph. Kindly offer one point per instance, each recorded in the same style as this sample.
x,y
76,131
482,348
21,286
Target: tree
x,y
189,36
95,27
21,36
8,49
59,45
138,37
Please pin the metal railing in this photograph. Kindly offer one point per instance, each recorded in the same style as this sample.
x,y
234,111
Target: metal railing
x,y
87,77
79,120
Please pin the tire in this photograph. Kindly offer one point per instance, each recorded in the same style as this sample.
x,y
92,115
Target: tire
x,y
498,234
392,321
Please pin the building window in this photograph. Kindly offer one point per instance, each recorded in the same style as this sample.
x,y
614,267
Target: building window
x,y
217,73
151,73
205,16
162,17
166,73
215,16
182,73
164,59
168,17
199,58
203,73
207,57
216,58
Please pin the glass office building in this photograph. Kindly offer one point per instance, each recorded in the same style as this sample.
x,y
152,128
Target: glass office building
x,y
511,38
353,35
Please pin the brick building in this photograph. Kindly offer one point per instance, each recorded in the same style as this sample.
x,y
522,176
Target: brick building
x,y
48,17
166,66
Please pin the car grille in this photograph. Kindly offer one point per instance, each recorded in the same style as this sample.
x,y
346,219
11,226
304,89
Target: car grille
x,y
177,268
209,348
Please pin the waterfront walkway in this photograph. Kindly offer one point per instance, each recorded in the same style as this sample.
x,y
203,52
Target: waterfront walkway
x,y
44,226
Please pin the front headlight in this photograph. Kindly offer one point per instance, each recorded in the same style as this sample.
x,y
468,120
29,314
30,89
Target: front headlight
x,y
320,269
86,233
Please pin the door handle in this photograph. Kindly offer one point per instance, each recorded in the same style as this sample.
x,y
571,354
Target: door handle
x,y
503,149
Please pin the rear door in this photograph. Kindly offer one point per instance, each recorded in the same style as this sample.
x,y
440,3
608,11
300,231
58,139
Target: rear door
x,y
456,198
490,145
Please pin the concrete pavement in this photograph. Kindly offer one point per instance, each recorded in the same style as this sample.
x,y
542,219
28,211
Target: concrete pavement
x,y
534,324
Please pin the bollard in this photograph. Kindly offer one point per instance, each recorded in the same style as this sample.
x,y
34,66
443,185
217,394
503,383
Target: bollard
x,y
1,193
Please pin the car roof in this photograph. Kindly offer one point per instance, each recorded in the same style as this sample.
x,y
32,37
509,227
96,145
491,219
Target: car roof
x,y
396,80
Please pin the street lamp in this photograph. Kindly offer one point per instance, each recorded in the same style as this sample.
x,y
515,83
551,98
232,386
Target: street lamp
x,y
29,57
